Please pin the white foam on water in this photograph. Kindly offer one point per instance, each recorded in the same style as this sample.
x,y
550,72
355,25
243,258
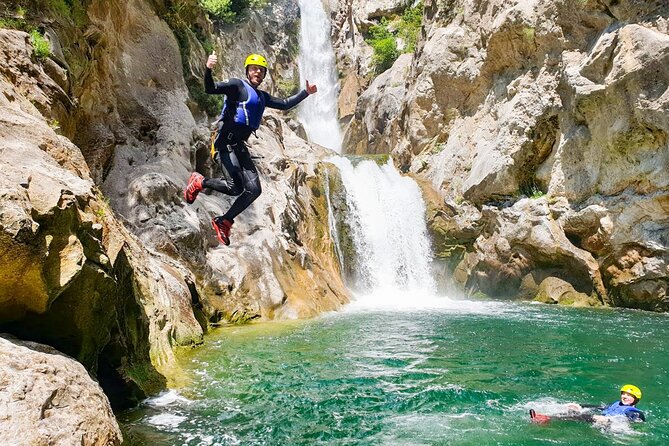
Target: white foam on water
x,y
619,427
167,398
166,420
396,300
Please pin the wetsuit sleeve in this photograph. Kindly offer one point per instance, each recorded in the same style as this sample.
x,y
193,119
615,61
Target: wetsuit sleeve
x,y
284,104
593,406
231,87
635,415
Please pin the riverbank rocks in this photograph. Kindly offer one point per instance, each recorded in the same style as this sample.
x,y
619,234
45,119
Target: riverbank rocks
x,y
561,100
49,398
556,291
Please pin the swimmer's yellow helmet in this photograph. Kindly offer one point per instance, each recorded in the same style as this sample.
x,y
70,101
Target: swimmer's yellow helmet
x,y
632,390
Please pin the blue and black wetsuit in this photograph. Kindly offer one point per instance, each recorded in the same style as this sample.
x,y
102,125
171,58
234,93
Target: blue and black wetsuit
x,y
241,115
614,409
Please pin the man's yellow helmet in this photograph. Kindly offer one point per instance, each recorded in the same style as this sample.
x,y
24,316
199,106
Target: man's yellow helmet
x,y
632,390
256,59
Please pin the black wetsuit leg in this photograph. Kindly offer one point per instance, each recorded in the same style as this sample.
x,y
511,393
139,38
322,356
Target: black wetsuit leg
x,y
240,178
586,417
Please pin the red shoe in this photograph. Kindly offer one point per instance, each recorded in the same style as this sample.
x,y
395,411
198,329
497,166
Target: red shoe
x,y
222,227
194,187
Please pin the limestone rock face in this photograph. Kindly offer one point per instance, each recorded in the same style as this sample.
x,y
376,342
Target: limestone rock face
x,y
563,99
520,240
256,275
280,263
119,297
350,19
48,398
140,141
377,108
72,275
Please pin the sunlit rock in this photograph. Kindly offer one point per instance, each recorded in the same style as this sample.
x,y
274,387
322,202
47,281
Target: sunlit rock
x,y
49,398
556,291
561,99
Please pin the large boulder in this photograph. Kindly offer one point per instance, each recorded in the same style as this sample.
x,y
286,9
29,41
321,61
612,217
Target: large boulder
x,y
556,291
49,398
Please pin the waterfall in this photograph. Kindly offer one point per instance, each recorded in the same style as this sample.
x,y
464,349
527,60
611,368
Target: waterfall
x,y
385,221
316,61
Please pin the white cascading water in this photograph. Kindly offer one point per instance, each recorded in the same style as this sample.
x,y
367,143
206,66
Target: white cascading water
x,y
316,61
386,219
385,210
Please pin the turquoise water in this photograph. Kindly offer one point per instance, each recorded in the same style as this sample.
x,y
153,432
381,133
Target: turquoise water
x,y
461,373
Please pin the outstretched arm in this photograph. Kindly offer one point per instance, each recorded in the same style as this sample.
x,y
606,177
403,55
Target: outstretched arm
x,y
288,103
284,104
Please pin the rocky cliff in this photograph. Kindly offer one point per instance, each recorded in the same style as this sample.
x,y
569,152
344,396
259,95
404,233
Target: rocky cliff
x,y
543,127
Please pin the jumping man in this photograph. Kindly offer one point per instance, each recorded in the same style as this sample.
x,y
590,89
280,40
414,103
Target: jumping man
x,y
241,115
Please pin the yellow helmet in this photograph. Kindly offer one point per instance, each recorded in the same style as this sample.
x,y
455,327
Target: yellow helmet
x,y
256,59
632,390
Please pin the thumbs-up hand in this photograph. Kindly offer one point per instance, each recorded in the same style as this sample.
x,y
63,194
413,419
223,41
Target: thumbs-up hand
x,y
311,88
212,60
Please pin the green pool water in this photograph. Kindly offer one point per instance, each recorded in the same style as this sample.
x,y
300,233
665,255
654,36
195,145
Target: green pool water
x,y
455,373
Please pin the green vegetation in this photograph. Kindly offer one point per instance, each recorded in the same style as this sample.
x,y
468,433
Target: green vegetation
x,y
41,47
409,27
229,11
11,23
383,37
385,46
26,15
287,86
529,34
104,207
210,103
180,16
54,124
531,190
380,159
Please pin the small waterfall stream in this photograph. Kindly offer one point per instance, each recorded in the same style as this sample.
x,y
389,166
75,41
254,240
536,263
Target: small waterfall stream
x,y
385,222
317,65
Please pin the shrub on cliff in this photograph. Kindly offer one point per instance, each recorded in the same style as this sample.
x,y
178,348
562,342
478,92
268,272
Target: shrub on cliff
x,y
229,11
41,47
390,38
